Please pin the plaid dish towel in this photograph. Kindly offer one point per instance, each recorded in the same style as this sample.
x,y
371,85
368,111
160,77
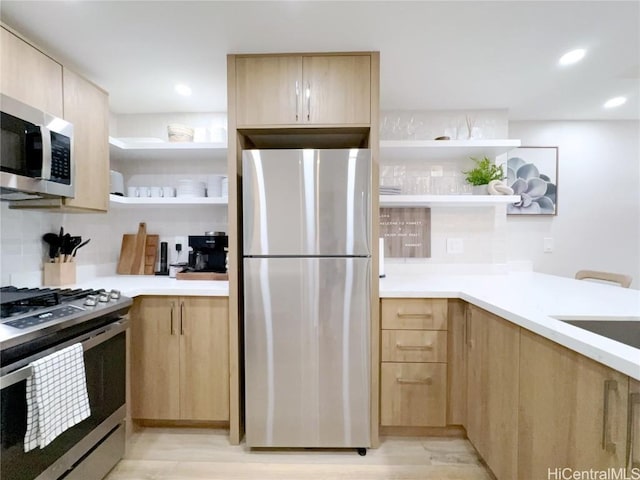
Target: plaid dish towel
x,y
57,396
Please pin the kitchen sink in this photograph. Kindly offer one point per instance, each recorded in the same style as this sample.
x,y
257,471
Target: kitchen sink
x,y
624,330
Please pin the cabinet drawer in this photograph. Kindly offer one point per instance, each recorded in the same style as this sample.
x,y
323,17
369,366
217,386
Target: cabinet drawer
x,y
414,346
414,313
413,394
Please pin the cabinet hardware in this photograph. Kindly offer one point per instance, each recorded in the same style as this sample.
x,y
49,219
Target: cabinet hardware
x,y
181,318
297,98
414,381
399,346
607,444
634,400
308,94
399,314
467,328
173,305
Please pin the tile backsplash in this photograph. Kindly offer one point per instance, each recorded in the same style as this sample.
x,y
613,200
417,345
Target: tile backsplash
x,y
23,250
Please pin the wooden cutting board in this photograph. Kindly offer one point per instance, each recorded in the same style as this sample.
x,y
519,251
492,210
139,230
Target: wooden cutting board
x,y
131,259
151,254
137,265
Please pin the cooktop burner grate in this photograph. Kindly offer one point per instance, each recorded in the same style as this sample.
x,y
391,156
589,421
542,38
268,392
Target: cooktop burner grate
x,y
16,301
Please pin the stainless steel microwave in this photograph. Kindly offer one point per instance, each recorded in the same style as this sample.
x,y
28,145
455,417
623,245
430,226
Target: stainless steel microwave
x,y
36,153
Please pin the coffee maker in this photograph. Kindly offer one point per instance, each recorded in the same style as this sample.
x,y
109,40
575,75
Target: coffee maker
x,y
208,252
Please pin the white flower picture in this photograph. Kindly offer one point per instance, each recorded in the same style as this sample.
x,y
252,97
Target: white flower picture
x,y
532,173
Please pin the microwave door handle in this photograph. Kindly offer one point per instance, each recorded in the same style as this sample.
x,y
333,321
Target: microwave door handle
x,y
45,133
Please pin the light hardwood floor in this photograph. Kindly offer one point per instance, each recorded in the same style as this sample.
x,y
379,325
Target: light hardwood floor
x,y
184,454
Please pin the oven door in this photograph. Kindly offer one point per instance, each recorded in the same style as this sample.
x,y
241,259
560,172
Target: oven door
x,y
105,358
35,150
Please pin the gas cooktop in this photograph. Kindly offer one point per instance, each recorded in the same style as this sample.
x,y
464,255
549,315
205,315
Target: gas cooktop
x,y
29,313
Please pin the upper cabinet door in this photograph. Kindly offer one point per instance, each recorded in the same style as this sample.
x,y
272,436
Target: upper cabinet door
x,y
269,90
337,89
28,75
87,108
302,91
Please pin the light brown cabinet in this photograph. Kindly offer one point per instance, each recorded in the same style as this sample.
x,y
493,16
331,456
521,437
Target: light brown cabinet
x,y
573,411
303,90
87,108
35,79
29,76
414,362
492,390
457,311
180,358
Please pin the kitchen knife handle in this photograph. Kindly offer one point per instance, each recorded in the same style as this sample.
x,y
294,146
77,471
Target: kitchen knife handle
x,y
607,444
297,98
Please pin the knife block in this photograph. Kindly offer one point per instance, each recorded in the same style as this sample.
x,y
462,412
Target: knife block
x,y
56,274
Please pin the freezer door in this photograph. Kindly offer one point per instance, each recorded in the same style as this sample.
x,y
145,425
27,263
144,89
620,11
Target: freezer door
x,y
307,324
306,202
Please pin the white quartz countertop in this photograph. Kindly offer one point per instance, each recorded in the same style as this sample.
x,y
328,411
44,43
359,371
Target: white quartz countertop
x,y
531,300
136,285
528,299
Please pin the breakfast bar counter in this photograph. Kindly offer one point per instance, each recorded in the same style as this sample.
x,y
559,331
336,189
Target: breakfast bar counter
x,y
537,302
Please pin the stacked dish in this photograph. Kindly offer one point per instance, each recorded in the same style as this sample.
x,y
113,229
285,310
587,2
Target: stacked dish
x,y
190,188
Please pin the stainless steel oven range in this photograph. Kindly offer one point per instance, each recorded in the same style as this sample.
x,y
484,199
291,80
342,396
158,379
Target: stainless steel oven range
x,y
35,323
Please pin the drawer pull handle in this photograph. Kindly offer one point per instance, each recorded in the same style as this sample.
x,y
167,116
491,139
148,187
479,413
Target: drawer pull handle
x,y
414,347
414,381
400,314
173,305
607,444
297,98
634,400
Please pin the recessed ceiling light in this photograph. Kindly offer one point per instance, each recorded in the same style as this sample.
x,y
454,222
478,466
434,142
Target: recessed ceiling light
x,y
573,56
615,102
183,89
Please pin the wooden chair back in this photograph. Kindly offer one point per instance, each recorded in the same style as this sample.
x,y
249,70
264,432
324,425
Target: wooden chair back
x,y
619,278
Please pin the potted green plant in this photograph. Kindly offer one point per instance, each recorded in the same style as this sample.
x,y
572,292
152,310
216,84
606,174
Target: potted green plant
x,y
484,172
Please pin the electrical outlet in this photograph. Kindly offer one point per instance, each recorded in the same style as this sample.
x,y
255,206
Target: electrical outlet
x,y
548,245
455,245
183,255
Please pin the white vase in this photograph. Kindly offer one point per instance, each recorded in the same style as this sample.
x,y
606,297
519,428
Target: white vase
x,y
480,190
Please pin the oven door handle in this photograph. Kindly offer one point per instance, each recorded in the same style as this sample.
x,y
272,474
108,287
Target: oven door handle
x,y
91,340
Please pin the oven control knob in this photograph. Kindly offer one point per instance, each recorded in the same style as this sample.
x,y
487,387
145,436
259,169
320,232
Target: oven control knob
x,y
115,294
104,298
90,301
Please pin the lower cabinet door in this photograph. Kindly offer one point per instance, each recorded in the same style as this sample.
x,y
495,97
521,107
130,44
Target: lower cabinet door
x,y
413,394
155,353
573,412
204,358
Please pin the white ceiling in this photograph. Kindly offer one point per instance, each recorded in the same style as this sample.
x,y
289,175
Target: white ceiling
x,y
434,55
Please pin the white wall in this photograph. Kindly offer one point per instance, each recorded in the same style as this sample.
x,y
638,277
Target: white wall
x,y
598,221
597,227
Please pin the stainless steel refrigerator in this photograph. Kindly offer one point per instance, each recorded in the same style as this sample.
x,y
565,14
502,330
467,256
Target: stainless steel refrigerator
x,y
307,274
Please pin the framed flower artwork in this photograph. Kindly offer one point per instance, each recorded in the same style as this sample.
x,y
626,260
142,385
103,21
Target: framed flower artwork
x,y
532,173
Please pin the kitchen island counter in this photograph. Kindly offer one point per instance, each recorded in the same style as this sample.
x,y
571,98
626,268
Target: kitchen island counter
x,y
532,300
